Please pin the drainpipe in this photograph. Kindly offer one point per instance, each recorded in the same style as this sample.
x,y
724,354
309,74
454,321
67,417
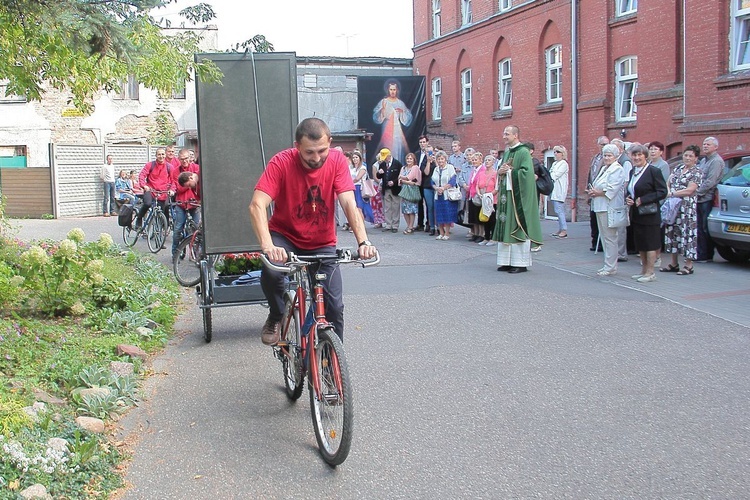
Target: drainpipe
x,y
574,105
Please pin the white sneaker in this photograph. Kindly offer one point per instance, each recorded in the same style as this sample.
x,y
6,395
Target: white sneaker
x,y
606,273
536,249
647,279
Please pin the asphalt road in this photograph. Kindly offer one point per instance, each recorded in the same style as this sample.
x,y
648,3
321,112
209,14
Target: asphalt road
x,y
469,383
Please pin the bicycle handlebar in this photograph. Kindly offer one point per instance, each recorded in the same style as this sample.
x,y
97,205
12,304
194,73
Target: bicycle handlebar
x,y
342,256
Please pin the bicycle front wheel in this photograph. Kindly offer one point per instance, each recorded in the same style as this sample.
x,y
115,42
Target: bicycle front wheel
x,y
332,408
157,232
186,263
291,349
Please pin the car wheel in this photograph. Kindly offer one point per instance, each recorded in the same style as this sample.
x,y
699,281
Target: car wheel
x,y
733,255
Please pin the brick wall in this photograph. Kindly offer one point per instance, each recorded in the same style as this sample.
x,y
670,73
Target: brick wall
x,y
682,98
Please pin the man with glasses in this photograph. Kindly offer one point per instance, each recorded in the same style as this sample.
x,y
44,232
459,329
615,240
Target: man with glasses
x,y
184,194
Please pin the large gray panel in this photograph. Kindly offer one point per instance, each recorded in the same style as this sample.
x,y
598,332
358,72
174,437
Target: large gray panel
x,y
238,136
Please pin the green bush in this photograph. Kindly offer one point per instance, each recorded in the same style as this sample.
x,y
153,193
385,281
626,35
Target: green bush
x,y
64,307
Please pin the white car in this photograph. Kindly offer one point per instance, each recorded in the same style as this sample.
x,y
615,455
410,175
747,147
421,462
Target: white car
x,y
729,221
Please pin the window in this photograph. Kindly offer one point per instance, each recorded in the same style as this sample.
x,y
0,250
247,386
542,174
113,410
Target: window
x,y
179,92
504,87
626,7
310,81
437,103
13,156
553,57
465,12
626,86
435,18
6,97
129,89
740,39
466,92
505,5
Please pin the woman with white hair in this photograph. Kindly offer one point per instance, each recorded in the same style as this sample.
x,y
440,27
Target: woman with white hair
x,y
606,190
559,174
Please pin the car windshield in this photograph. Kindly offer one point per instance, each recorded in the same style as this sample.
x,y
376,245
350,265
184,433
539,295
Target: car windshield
x,y
739,175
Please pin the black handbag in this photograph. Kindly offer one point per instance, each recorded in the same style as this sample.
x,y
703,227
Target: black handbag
x,y
544,183
648,208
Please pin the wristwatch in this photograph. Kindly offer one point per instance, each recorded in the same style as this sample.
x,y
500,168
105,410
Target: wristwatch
x,y
365,243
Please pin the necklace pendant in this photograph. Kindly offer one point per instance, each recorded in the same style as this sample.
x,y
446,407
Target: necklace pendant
x,y
313,206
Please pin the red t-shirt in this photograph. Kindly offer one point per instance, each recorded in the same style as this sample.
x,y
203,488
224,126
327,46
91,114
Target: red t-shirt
x,y
303,209
183,194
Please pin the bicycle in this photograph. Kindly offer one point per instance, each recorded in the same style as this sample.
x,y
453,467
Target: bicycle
x,y
154,226
186,263
313,349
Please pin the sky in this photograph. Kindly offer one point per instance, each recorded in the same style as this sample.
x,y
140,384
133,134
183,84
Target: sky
x,y
344,28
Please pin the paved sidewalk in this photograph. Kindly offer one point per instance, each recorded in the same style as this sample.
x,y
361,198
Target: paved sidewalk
x,y
718,288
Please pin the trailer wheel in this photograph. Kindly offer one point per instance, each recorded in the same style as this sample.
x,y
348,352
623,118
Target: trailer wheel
x,y
207,325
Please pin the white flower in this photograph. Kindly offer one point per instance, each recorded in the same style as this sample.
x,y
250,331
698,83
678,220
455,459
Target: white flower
x,y
95,266
76,234
68,248
105,241
77,309
35,255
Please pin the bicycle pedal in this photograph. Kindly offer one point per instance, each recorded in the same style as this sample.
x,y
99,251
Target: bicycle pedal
x,y
332,398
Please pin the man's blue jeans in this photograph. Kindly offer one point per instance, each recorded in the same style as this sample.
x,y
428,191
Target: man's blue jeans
x,y
180,217
109,198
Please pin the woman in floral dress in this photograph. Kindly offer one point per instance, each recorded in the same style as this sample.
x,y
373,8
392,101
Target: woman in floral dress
x,y
410,174
682,236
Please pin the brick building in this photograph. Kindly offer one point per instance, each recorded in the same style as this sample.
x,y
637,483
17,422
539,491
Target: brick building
x,y
650,70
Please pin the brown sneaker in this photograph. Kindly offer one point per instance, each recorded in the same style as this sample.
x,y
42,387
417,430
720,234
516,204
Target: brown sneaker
x,y
270,334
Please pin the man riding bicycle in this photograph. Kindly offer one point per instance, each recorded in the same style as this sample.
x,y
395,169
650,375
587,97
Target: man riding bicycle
x,y
155,176
183,195
303,183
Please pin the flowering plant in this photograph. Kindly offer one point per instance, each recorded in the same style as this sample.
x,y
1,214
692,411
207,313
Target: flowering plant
x,y
238,263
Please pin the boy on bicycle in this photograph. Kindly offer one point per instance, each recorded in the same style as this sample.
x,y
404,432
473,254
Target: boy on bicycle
x,y
303,183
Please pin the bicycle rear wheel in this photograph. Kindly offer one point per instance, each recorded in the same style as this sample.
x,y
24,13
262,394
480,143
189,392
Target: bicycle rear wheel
x,y
291,349
157,232
129,235
333,410
186,263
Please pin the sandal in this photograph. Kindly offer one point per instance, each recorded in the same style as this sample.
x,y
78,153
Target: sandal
x,y
670,269
409,231
685,271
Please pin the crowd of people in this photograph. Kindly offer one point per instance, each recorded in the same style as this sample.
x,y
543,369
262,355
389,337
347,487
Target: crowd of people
x,y
665,210
433,190
639,206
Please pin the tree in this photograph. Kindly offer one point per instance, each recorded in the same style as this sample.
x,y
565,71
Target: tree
x,y
88,45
